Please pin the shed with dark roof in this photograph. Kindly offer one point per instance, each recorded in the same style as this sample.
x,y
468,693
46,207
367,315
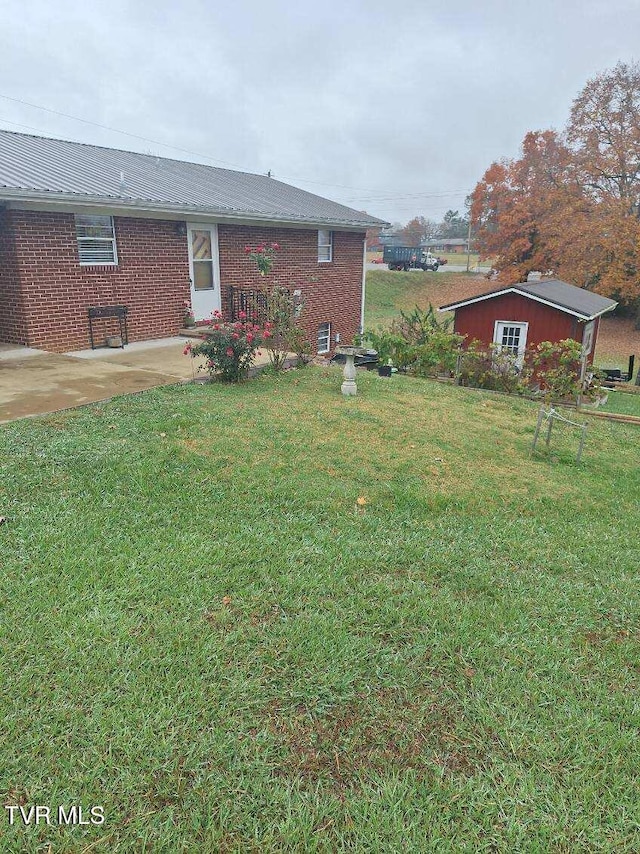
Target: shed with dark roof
x,y
518,317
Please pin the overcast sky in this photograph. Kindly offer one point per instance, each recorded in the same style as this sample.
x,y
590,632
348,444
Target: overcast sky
x,y
394,108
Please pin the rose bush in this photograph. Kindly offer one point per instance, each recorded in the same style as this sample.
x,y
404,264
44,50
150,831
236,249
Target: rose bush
x,y
282,310
229,348
263,255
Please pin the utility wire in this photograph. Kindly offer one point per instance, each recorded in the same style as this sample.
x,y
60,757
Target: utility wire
x,y
117,130
208,157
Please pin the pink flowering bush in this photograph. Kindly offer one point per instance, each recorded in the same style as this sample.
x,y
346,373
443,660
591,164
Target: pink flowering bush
x,y
282,333
229,348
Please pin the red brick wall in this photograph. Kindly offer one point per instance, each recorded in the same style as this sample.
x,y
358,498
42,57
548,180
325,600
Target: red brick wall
x,y
152,278
46,292
331,291
13,328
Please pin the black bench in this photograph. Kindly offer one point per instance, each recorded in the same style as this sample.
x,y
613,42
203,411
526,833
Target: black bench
x,y
119,312
612,376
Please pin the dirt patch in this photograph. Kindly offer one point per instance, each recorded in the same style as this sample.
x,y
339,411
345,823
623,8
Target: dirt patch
x,y
617,340
374,733
453,288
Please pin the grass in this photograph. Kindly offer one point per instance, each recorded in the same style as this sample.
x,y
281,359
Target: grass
x,y
388,292
205,633
624,402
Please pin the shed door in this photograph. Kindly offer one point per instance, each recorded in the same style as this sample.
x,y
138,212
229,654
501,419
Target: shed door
x,y
511,335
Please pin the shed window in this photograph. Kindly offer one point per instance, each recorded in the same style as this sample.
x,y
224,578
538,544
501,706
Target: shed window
x,y
96,240
511,336
324,337
325,245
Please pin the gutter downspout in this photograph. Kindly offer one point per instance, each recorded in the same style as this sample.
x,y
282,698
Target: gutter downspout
x,y
364,284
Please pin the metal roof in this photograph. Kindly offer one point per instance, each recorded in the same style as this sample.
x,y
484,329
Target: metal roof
x,y
37,168
561,295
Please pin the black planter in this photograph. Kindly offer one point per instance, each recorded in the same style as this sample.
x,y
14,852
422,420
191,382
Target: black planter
x,y
384,370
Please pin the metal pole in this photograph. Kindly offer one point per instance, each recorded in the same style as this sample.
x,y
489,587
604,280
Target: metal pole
x,y
364,286
549,428
538,425
582,438
469,243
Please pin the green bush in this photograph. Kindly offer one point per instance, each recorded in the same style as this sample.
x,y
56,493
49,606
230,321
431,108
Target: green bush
x,y
417,327
558,371
438,356
551,370
229,348
492,367
419,342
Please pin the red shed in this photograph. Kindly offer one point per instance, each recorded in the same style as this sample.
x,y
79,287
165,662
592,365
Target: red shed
x,y
520,316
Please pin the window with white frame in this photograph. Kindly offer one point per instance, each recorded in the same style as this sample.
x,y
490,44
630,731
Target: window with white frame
x,y
96,240
325,245
511,336
324,337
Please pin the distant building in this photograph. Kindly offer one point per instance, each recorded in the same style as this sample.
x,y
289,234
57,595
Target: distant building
x,y
456,245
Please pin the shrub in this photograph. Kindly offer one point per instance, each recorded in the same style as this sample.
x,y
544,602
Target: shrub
x,y
419,326
418,342
391,347
263,255
229,348
550,370
297,343
282,334
438,355
558,370
493,368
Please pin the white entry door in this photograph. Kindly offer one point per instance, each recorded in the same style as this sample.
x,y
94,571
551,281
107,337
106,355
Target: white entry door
x,y
512,337
204,269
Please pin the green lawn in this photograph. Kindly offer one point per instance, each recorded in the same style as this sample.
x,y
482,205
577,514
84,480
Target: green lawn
x,y
205,633
460,258
626,403
388,292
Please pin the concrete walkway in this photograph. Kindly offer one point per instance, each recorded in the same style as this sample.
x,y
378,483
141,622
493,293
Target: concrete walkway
x,y
33,382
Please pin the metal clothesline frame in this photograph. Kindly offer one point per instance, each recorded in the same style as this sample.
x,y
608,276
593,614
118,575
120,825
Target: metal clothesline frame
x,y
550,415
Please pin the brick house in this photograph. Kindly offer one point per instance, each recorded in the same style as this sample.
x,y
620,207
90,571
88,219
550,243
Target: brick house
x,y
518,317
455,245
83,226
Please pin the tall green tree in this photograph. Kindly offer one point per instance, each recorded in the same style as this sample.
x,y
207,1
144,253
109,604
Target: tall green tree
x,y
453,225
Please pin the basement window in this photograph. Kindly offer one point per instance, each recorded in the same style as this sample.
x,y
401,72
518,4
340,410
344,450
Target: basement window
x,y
325,245
96,240
324,337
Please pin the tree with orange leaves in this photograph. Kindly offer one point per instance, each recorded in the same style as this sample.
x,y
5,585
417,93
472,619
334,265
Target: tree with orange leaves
x,y
511,208
570,204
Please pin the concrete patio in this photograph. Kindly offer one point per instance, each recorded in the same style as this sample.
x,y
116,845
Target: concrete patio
x,y
34,382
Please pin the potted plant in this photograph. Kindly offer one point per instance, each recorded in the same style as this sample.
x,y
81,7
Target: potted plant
x,y
188,319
